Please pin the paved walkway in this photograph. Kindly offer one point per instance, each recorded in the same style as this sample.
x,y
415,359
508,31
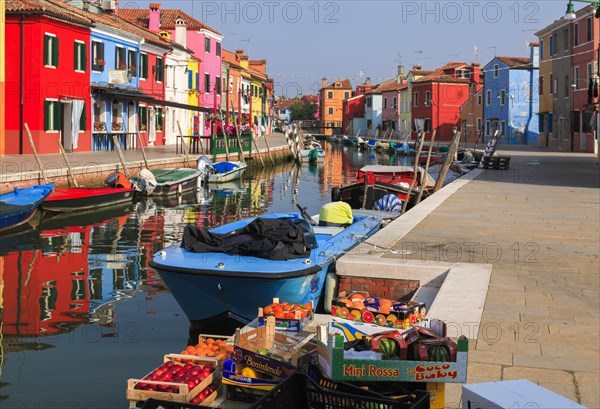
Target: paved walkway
x,y
537,224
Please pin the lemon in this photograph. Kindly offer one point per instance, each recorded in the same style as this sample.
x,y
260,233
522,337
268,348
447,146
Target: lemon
x,y
249,373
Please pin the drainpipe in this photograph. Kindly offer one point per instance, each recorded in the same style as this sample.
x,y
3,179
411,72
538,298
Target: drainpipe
x,y
21,81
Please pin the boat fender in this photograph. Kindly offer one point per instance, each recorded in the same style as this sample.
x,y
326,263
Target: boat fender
x,y
330,290
336,194
179,189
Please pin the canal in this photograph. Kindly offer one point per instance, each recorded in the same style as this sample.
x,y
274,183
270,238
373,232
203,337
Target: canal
x,y
82,312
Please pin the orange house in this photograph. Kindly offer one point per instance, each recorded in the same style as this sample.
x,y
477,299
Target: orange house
x,y
331,108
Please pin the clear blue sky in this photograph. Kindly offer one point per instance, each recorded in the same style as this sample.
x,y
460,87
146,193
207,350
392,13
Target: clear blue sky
x,y
304,41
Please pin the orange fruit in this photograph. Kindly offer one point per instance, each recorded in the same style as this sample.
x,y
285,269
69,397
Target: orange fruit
x,y
345,301
220,355
210,341
279,314
191,349
209,353
358,304
214,348
357,297
268,310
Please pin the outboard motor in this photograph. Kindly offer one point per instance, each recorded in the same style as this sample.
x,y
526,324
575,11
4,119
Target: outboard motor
x,y
117,180
146,182
205,166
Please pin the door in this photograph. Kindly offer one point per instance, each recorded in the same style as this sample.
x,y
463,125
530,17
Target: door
x,y
66,134
132,129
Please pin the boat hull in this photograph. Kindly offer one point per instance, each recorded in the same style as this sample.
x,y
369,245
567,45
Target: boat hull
x,y
77,199
170,182
229,176
19,206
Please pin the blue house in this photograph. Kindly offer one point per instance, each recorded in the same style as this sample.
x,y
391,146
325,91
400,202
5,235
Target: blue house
x,y
511,101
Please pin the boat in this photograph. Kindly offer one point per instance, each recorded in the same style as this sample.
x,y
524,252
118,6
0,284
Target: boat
x,y
314,155
170,181
225,171
376,182
19,206
75,199
208,284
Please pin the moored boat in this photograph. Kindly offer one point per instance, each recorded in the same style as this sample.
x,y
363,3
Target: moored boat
x,y
227,171
19,206
171,181
213,282
73,199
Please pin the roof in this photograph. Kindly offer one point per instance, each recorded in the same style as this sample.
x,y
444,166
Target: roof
x,y
230,58
392,85
345,84
444,74
168,17
55,8
515,62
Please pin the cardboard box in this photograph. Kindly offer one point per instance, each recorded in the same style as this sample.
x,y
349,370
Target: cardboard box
x,y
338,368
184,394
287,324
275,353
232,375
352,330
401,315
513,394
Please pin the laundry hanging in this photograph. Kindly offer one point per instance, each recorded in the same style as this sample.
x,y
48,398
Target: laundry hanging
x,y
76,112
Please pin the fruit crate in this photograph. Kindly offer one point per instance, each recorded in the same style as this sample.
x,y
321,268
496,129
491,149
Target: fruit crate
x,y
167,404
337,367
295,324
370,310
184,392
299,391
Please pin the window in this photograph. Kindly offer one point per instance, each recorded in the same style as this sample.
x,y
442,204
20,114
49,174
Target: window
x,y
487,128
576,34
159,119
346,94
567,86
369,102
385,103
207,45
120,58
218,84
427,125
496,71
502,97
330,110
83,119
588,30
79,56
416,99
566,39
394,102
329,94
369,124
50,50
541,123
541,49
502,128
555,86
576,78
479,100
207,83
590,74
190,79
551,45
427,98
218,49
160,70
143,118
99,115
132,58
52,115
143,66
541,85
488,98
552,85
555,37
197,81
479,125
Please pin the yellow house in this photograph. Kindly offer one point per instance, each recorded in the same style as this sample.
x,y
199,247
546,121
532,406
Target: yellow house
x,y
258,71
193,91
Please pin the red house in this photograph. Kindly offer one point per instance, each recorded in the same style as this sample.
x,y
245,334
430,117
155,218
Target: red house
x,y
48,78
354,114
438,96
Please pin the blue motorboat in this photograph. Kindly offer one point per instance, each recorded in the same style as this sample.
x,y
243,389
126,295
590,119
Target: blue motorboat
x,y
210,284
19,206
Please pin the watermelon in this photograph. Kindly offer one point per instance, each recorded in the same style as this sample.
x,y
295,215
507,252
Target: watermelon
x,y
388,348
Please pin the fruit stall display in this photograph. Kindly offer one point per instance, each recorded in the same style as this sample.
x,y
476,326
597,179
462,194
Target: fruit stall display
x,y
213,346
361,307
288,317
181,378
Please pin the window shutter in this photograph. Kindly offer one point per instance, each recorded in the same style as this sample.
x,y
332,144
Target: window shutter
x,y
197,81
57,116
144,63
54,51
75,55
101,54
83,57
47,115
190,79
83,118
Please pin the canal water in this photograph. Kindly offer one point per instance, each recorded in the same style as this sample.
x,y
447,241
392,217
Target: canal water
x,y
83,312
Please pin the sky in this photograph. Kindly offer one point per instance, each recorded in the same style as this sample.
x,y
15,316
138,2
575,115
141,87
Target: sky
x,y
306,40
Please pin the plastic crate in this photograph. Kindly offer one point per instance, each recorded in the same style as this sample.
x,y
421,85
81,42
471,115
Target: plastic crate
x,y
299,391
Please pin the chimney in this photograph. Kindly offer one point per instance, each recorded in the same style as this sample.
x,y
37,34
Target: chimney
x,y
154,19
180,32
476,72
368,81
400,74
417,67
534,56
323,82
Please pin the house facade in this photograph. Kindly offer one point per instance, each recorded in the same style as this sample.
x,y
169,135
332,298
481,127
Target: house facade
x,y
331,100
546,86
374,113
437,97
354,115
391,92
48,77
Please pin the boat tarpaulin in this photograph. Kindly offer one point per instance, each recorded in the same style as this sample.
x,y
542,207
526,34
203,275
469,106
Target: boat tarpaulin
x,y
274,239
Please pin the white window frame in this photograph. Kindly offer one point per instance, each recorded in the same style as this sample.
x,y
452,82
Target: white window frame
x,y
52,115
576,77
575,34
117,59
502,97
479,124
94,55
78,57
427,101
329,94
140,78
479,100
502,128
496,70
487,128
50,53
415,99
488,98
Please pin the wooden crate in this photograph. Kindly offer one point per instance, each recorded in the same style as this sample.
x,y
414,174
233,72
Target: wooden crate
x,y
496,162
184,394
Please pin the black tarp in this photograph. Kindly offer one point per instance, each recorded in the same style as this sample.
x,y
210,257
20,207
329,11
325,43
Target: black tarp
x,y
274,239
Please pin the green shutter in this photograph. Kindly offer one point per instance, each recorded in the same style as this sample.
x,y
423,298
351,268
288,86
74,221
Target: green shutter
x,y
55,51
143,117
159,116
101,54
82,119
144,66
57,116
47,40
83,57
47,115
75,56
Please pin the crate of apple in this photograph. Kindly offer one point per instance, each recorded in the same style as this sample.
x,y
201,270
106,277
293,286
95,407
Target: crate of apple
x,y
208,395
179,382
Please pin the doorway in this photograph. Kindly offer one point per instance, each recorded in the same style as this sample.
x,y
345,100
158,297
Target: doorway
x,y
66,133
132,129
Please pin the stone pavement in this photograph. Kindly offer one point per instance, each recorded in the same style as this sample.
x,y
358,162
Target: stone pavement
x,y
537,224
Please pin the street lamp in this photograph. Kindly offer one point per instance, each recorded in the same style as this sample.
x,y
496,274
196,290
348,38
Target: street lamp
x,y
570,14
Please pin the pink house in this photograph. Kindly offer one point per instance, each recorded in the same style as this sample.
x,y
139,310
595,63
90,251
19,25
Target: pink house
x,y
204,41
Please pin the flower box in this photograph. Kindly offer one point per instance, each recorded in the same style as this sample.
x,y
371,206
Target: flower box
x,y
99,126
117,126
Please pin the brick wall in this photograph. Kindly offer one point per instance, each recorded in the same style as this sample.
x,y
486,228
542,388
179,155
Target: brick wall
x,y
393,289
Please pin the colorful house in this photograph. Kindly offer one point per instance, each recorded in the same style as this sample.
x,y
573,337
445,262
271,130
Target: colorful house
x,y
233,99
471,112
193,95
391,93
374,112
258,71
585,102
437,98
511,98
331,108
354,115
48,79
405,119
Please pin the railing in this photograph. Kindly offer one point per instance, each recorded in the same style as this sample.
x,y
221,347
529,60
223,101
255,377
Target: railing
x,y
103,141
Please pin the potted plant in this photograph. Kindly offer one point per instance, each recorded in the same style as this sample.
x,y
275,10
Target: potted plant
x,y
99,63
122,65
99,126
132,68
117,126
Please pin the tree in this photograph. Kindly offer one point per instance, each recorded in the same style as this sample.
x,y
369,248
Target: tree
x,y
300,111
